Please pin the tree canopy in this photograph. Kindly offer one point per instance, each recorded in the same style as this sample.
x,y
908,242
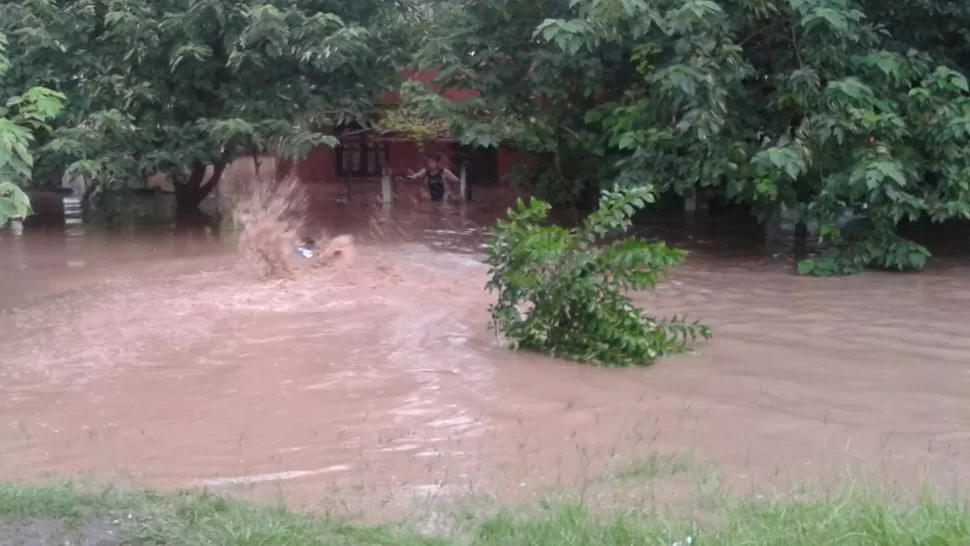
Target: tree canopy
x,y
20,116
183,87
824,107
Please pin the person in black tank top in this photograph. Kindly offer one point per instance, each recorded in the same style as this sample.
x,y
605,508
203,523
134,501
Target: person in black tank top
x,y
436,176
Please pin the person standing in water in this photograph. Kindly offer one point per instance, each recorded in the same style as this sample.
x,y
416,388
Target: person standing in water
x,y
436,176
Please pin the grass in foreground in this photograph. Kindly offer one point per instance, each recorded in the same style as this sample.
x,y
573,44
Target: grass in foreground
x,y
42,515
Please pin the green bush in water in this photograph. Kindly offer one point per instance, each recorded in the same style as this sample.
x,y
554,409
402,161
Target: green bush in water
x,y
14,203
560,292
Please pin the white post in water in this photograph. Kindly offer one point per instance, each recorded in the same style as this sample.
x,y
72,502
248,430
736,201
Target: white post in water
x,y
690,204
387,186
72,201
16,226
18,252
696,206
463,181
690,208
703,204
779,230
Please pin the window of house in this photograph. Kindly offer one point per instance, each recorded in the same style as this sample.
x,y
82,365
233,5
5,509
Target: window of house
x,y
360,158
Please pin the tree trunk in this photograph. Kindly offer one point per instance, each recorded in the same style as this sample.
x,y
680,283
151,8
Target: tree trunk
x,y
190,192
195,222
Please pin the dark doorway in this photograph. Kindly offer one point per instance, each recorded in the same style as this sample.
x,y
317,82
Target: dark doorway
x,y
482,164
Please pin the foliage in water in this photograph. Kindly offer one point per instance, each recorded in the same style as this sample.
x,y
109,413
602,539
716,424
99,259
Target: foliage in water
x,y
20,117
14,203
826,108
561,291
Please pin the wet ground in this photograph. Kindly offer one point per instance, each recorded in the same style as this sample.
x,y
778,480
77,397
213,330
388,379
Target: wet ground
x,y
160,360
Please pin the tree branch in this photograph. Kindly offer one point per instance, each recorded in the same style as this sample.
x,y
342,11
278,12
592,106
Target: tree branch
x,y
757,33
213,181
196,176
794,44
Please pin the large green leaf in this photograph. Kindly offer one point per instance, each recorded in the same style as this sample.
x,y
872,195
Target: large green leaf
x,y
14,203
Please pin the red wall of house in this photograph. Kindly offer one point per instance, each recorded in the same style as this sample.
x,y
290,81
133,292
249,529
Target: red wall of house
x,y
317,167
320,166
403,156
508,159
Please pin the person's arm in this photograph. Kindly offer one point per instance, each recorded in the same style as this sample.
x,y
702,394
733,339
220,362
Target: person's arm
x,y
450,176
415,175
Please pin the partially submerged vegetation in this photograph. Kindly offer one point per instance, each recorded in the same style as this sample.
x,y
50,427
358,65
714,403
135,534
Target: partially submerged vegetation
x,y
20,117
61,514
562,292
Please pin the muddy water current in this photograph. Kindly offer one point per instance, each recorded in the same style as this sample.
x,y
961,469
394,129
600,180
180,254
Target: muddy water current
x,y
159,360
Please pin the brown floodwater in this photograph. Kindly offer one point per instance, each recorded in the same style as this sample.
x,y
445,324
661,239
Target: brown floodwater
x,y
158,359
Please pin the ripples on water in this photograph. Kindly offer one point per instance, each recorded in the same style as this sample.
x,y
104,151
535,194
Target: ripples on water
x,y
158,358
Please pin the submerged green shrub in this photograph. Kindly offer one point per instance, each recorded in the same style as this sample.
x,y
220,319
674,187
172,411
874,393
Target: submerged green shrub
x,y
560,292
14,203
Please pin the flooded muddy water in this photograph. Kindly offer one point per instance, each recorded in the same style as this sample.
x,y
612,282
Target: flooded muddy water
x,y
158,359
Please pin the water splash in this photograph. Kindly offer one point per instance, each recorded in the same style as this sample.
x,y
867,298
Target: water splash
x,y
271,218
